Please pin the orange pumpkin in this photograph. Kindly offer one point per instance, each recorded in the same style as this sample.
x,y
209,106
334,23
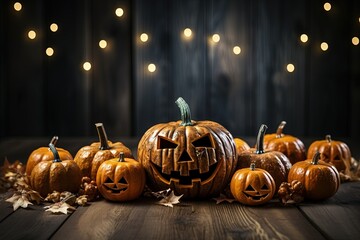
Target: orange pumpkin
x,y
334,152
194,158
289,145
57,175
252,186
89,158
45,154
120,179
241,145
321,180
276,163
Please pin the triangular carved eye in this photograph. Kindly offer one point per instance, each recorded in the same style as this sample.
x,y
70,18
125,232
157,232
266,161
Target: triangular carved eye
x,y
204,141
164,143
249,188
265,187
122,180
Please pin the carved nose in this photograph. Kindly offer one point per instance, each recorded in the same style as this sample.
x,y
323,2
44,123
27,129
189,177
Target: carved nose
x,y
184,157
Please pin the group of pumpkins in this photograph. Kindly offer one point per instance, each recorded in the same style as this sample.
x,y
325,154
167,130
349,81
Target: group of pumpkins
x,y
198,159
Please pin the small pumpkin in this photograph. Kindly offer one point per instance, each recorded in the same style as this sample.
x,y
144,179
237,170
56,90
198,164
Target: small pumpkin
x,y
241,145
321,180
56,175
89,158
120,179
276,163
289,145
45,154
334,152
193,158
252,186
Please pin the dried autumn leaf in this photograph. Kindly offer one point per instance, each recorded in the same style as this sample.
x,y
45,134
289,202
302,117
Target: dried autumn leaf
x,y
60,207
223,198
53,197
81,200
19,200
170,200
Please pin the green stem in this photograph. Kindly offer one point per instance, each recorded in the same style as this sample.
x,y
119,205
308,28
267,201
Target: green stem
x,y
102,136
122,157
260,139
280,129
316,158
55,153
54,140
185,112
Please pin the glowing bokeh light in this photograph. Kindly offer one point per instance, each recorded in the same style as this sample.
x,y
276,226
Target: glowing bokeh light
x,y
119,12
144,37
151,67
17,6
327,6
216,38
32,34
236,50
290,67
355,41
54,27
304,38
187,32
102,44
49,51
324,46
87,66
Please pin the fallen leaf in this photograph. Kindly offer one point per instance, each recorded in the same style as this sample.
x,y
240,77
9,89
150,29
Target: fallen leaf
x,y
223,198
19,200
60,207
170,200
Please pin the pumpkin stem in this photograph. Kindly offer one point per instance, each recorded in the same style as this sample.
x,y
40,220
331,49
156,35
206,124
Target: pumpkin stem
x,y
328,138
252,166
55,153
260,139
185,112
54,140
280,129
102,136
316,158
122,157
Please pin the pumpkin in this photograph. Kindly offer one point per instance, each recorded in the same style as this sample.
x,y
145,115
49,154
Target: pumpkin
x,y
56,175
89,158
240,145
120,179
276,163
321,180
252,186
334,152
193,158
45,154
289,145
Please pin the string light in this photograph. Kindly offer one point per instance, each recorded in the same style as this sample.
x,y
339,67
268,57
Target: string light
x,y
187,32
151,67
144,37
54,27
17,6
49,51
102,44
304,38
119,12
290,67
324,46
216,38
327,6
87,66
236,50
355,41
32,34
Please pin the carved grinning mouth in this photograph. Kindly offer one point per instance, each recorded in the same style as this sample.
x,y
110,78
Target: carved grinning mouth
x,y
116,188
187,181
256,197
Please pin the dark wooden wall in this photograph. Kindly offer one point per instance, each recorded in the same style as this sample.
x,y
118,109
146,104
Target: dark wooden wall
x,y
42,96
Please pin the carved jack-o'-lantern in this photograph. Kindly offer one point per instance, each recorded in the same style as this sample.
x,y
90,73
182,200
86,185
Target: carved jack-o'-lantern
x,y
194,158
334,152
120,179
252,186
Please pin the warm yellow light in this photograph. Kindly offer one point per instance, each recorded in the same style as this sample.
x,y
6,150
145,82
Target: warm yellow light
x,y
32,34
49,51
17,6
54,27
87,66
304,38
327,6
144,37
290,67
237,50
102,44
152,67
355,41
187,32
324,46
119,12
216,37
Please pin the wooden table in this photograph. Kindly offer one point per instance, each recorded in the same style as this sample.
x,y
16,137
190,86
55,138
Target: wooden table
x,y
335,218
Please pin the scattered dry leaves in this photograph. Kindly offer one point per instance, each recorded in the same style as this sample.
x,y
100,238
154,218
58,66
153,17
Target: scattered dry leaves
x,y
60,207
170,200
223,198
